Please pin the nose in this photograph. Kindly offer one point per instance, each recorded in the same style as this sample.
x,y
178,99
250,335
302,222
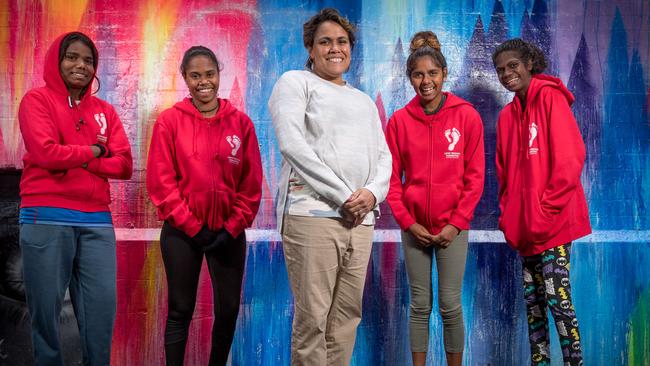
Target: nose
x,y
80,63
506,73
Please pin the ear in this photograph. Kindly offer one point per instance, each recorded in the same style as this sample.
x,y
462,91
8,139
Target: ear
x,y
444,74
529,66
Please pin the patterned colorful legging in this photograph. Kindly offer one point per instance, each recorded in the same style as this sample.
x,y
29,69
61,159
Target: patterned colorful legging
x,y
546,285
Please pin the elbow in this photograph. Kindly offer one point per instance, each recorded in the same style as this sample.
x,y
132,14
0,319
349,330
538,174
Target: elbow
x,y
287,150
127,172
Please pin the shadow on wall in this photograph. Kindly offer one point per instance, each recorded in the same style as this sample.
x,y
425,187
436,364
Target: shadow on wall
x,y
15,335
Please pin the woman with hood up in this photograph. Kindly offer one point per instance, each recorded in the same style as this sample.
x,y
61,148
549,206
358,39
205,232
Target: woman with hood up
x,y
74,143
540,155
204,174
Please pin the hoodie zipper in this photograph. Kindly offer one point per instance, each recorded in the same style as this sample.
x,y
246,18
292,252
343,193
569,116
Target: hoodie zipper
x,y
82,127
430,155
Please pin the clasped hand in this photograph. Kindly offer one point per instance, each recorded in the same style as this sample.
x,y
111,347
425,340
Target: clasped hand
x,y
425,239
357,206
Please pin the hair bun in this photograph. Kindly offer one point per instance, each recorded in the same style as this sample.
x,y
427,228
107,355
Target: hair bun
x,y
424,39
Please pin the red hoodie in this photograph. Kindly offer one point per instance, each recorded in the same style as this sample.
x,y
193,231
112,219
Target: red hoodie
x,y
205,171
57,144
441,157
540,155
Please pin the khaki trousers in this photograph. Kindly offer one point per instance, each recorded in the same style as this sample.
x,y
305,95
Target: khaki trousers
x,y
327,263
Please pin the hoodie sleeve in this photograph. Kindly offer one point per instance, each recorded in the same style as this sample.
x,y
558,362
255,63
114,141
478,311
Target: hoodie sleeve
x,y
119,163
379,184
395,193
249,190
567,153
41,137
287,105
162,184
500,168
474,174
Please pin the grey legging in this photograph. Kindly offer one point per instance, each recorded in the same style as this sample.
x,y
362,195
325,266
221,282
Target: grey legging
x,y
450,262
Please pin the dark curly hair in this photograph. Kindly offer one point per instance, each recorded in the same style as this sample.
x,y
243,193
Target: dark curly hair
x,y
326,14
527,52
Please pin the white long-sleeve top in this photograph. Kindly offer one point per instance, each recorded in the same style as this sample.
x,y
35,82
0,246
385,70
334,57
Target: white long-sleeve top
x,y
332,144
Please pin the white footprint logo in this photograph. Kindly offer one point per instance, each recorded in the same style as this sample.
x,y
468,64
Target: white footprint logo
x,y
532,133
453,136
235,143
101,121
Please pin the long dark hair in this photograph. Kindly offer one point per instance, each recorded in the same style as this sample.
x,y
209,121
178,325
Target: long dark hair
x,y
73,37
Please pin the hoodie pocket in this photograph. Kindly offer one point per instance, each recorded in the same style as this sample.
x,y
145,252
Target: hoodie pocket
x,y
211,207
510,221
442,202
541,226
415,201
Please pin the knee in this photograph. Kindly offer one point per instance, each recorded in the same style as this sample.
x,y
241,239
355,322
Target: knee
x,y
450,309
420,311
227,309
180,312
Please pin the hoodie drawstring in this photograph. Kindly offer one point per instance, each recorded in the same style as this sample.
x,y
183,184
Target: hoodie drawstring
x,y
194,152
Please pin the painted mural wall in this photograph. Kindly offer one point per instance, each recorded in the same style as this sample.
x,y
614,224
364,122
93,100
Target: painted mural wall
x,y
601,49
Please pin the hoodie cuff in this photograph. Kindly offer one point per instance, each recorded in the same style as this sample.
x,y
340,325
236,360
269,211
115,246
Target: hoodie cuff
x,y
191,231
93,165
406,223
459,221
233,227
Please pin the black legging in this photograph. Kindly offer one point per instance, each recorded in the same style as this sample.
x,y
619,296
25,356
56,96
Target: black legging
x,y
183,259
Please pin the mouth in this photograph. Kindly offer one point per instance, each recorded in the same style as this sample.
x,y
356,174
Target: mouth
x,y
511,82
204,90
79,75
336,60
427,90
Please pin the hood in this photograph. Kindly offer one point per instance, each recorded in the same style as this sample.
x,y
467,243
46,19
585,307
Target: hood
x,y
51,71
540,81
414,108
186,106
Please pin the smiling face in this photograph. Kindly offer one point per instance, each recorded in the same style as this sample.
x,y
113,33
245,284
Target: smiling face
x,y
77,68
514,74
202,79
427,79
330,52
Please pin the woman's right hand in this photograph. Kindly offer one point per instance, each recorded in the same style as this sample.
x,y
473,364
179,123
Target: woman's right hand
x,y
422,235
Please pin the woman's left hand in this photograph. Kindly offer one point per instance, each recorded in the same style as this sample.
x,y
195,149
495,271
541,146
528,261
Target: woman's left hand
x,y
359,204
447,235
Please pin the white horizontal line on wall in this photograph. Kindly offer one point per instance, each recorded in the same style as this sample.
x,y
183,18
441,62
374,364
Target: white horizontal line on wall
x,y
393,235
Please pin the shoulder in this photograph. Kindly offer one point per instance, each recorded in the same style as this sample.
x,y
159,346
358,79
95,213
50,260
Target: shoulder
x,y
36,95
244,121
400,116
552,95
295,77
169,117
362,95
506,114
470,112
101,104
291,83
